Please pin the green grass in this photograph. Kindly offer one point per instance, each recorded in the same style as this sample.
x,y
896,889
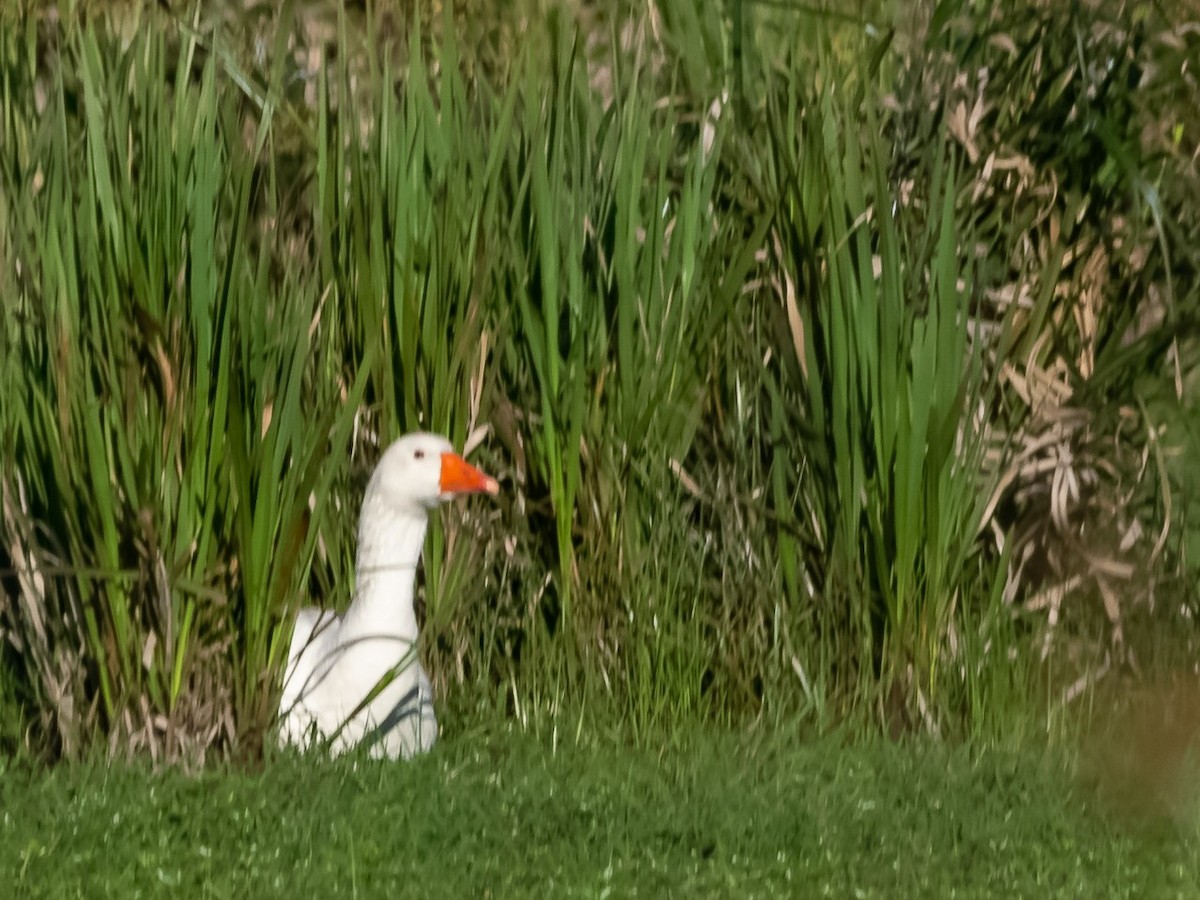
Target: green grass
x,y
500,815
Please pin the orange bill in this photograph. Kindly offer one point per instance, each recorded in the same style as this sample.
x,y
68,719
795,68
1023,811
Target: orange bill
x,y
460,477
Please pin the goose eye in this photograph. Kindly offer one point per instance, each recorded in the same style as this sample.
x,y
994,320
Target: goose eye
x,y
418,454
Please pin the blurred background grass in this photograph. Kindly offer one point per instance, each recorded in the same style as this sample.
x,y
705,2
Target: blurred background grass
x,y
839,368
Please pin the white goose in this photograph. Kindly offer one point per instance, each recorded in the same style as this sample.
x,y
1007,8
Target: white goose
x,y
336,687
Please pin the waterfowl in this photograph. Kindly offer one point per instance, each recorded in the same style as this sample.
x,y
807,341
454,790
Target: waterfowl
x,y
355,679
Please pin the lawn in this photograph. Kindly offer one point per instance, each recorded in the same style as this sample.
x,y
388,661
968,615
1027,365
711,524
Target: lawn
x,y
503,815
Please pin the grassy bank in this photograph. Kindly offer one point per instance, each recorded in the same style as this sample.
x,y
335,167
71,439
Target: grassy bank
x,y
500,815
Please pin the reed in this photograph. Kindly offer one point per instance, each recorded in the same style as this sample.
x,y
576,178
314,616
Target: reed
x,y
726,301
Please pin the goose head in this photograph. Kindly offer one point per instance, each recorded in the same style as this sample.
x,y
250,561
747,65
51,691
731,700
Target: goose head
x,y
420,471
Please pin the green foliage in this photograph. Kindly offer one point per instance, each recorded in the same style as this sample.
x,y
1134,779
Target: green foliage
x,y
889,382
739,327
164,437
1076,125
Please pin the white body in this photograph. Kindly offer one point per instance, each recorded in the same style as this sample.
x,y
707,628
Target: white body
x,y
335,662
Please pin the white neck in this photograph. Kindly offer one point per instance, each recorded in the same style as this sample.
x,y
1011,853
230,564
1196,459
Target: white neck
x,y
389,547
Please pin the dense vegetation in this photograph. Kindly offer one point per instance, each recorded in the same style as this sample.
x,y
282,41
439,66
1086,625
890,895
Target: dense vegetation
x,y
833,374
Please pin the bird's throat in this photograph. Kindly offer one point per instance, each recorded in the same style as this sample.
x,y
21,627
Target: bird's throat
x,y
389,548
